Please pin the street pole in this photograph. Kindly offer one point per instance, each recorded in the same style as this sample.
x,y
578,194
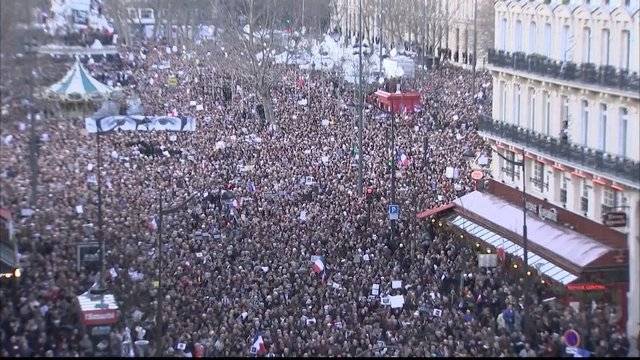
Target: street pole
x,y
380,35
159,324
393,169
302,13
524,211
361,100
101,281
475,47
524,217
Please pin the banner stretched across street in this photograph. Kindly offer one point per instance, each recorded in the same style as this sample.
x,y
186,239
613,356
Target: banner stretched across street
x,y
140,123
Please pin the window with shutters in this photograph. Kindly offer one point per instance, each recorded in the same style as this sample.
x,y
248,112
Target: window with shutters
x,y
603,127
538,175
586,195
609,198
563,190
585,122
622,132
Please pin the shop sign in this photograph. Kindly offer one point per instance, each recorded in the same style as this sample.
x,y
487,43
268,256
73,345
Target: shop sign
x,y
586,287
99,317
548,214
615,219
531,207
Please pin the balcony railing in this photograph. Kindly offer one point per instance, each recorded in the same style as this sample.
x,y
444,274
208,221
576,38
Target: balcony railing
x,y
589,158
604,75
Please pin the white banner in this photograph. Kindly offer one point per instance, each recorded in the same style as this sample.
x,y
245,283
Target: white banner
x,y
140,123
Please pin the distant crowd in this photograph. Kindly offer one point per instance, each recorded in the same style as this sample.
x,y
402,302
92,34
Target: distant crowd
x,y
268,197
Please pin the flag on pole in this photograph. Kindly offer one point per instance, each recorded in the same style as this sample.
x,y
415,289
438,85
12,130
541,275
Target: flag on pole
x,y
257,346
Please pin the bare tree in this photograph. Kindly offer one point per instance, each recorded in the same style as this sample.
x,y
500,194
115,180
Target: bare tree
x,y
250,46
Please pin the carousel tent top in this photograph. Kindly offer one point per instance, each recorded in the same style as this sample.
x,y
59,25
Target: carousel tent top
x,y
78,85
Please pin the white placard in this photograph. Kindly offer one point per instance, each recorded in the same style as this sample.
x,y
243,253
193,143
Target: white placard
x,y
437,312
487,260
365,257
375,289
396,301
79,209
396,284
325,122
192,103
26,212
199,107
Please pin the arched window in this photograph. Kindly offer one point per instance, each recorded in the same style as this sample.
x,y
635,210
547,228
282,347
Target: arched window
x,y
547,39
622,132
586,45
604,57
532,37
518,36
503,34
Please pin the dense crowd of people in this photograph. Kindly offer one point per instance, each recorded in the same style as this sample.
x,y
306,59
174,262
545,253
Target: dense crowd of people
x,y
266,197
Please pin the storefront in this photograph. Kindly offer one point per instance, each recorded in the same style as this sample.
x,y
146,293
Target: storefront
x,y
98,312
9,267
578,267
397,102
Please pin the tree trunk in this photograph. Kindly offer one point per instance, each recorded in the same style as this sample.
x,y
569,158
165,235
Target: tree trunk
x,y
267,103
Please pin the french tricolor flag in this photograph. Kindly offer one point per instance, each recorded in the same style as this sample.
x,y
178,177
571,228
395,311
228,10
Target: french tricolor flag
x,y
152,225
318,267
257,347
401,158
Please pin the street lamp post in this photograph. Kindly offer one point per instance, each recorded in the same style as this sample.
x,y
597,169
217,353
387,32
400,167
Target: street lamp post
x,y
380,35
360,102
524,209
159,308
101,281
475,47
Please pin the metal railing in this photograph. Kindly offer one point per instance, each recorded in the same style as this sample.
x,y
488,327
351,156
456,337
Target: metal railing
x,y
572,153
604,75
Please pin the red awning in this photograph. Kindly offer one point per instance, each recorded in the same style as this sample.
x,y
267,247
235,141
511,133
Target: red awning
x,y
5,214
430,212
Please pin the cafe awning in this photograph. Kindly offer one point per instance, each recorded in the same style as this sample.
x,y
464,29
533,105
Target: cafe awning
x,y
434,211
499,223
544,266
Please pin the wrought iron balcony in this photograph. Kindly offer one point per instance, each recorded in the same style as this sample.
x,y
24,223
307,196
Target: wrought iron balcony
x,y
572,153
605,75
